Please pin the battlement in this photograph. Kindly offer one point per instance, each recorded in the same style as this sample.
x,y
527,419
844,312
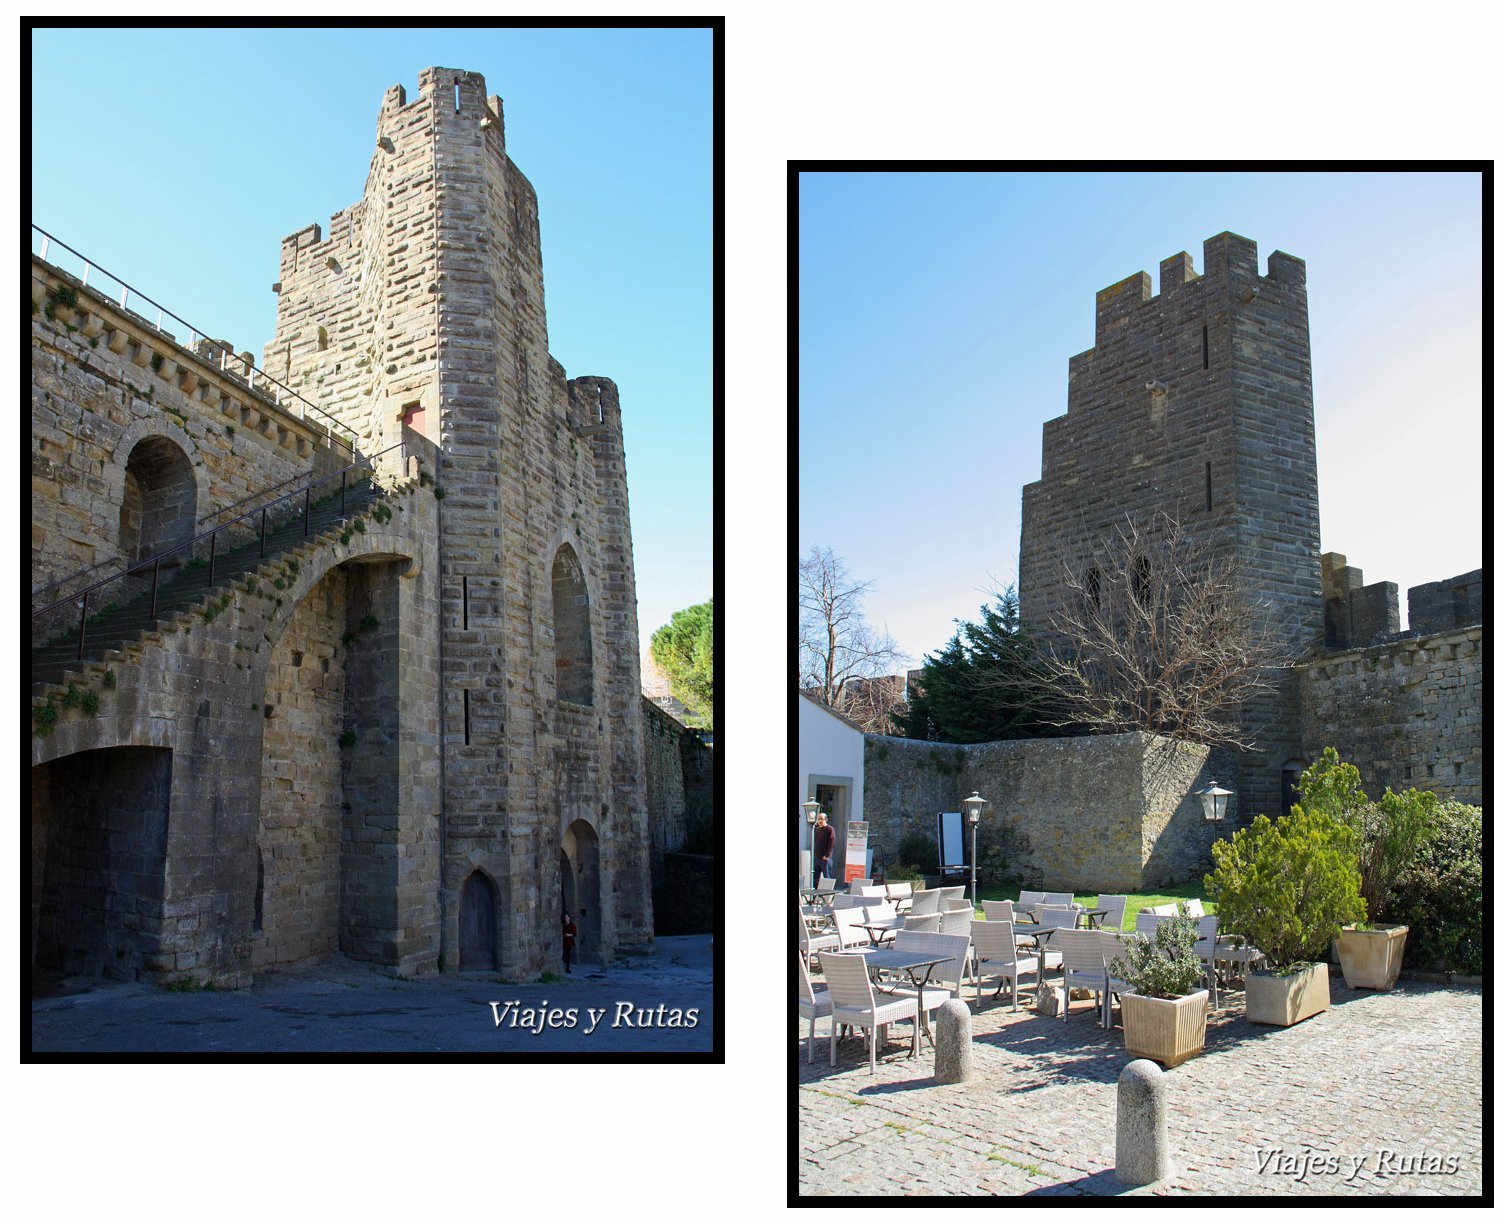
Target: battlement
x,y
1230,262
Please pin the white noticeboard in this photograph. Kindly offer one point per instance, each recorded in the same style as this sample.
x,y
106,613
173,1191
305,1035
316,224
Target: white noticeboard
x,y
949,840
856,863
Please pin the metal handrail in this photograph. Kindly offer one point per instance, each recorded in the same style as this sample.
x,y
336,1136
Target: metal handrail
x,y
226,354
155,563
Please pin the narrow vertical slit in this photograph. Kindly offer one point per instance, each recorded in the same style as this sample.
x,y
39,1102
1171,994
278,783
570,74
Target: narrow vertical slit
x,y
1208,486
457,97
465,695
1205,346
465,602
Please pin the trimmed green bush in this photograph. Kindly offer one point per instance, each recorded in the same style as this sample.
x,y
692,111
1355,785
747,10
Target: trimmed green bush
x,y
1440,895
1288,887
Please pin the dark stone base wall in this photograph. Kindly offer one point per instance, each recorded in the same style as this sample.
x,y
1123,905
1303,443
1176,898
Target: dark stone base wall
x,y
684,902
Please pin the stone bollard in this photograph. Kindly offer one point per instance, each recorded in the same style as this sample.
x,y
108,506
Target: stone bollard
x,y
1140,1154
954,1043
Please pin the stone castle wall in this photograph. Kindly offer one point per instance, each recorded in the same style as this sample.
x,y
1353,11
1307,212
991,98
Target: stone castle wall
x,y
1113,813
431,731
1406,713
104,380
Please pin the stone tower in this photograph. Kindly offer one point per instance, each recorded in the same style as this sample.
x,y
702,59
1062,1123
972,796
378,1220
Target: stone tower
x,y
1196,402
423,310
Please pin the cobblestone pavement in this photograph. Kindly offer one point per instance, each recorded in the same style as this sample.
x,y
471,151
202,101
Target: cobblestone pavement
x,y
1389,1078
349,1006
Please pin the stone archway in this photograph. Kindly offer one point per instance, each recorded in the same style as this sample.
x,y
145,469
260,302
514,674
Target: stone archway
x,y
478,922
159,502
98,856
580,887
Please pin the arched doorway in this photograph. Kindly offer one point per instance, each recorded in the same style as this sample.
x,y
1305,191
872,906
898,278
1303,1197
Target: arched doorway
x,y
159,503
580,887
98,858
478,922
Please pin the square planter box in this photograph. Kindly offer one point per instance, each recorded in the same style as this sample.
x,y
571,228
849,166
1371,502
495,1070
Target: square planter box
x,y
1371,959
1168,1030
1270,999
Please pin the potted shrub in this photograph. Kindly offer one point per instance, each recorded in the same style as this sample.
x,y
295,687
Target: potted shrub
x,y
1287,888
1166,1018
1389,833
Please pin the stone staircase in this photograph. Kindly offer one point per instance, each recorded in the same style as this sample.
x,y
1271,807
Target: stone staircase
x,y
117,627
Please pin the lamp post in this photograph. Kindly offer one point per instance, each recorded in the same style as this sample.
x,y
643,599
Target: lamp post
x,y
1215,801
811,808
974,805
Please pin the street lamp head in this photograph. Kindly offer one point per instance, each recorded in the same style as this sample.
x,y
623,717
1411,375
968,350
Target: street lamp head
x,y
974,805
1215,801
812,809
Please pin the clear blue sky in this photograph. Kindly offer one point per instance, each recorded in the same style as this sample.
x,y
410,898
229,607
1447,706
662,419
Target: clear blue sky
x,y
938,312
179,159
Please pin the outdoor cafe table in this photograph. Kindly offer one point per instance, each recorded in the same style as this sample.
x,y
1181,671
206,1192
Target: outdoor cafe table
x,y
919,965
1094,917
876,929
812,895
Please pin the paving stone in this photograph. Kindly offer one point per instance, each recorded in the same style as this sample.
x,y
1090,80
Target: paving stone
x,y
1396,1072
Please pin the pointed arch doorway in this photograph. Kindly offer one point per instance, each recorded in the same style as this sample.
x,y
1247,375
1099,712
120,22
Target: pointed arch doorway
x,y
580,888
478,923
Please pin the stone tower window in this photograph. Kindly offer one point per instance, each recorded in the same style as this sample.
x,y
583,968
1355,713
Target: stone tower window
x,y
1140,581
323,339
572,628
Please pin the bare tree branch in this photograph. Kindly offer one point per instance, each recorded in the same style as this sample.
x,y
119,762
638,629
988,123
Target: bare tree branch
x,y
838,646
1157,633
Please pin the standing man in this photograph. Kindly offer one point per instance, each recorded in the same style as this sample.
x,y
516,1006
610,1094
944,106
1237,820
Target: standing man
x,y
823,842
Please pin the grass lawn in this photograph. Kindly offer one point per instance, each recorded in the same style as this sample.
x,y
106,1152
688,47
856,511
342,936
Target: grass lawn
x,y
1135,903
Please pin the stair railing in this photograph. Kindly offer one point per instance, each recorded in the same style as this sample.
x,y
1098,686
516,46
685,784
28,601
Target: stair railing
x,y
182,558
241,367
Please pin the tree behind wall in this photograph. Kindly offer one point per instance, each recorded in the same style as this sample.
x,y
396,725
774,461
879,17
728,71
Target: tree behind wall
x,y
838,646
685,650
982,685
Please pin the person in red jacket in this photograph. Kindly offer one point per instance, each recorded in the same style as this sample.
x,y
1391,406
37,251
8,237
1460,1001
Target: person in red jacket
x,y
570,933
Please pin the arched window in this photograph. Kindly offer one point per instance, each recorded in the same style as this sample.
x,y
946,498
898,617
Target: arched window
x,y
1291,775
572,629
160,500
1141,581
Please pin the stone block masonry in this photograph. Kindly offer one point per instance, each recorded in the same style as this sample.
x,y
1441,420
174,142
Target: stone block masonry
x,y
1405,713
427,742
1111,813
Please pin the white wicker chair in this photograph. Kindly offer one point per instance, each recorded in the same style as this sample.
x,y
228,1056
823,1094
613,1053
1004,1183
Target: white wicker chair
x,y
849,901
853,1003
900,889
813,1004
1113,944
825,883
882,912
812,942
946,979
1062,899
1114,904
994,951
997,911
922,922
1082,964
868,890
1029,900
1058,916
849,928
926,901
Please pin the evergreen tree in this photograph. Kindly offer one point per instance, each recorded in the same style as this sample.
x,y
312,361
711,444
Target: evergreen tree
x,y
981,685
685,649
